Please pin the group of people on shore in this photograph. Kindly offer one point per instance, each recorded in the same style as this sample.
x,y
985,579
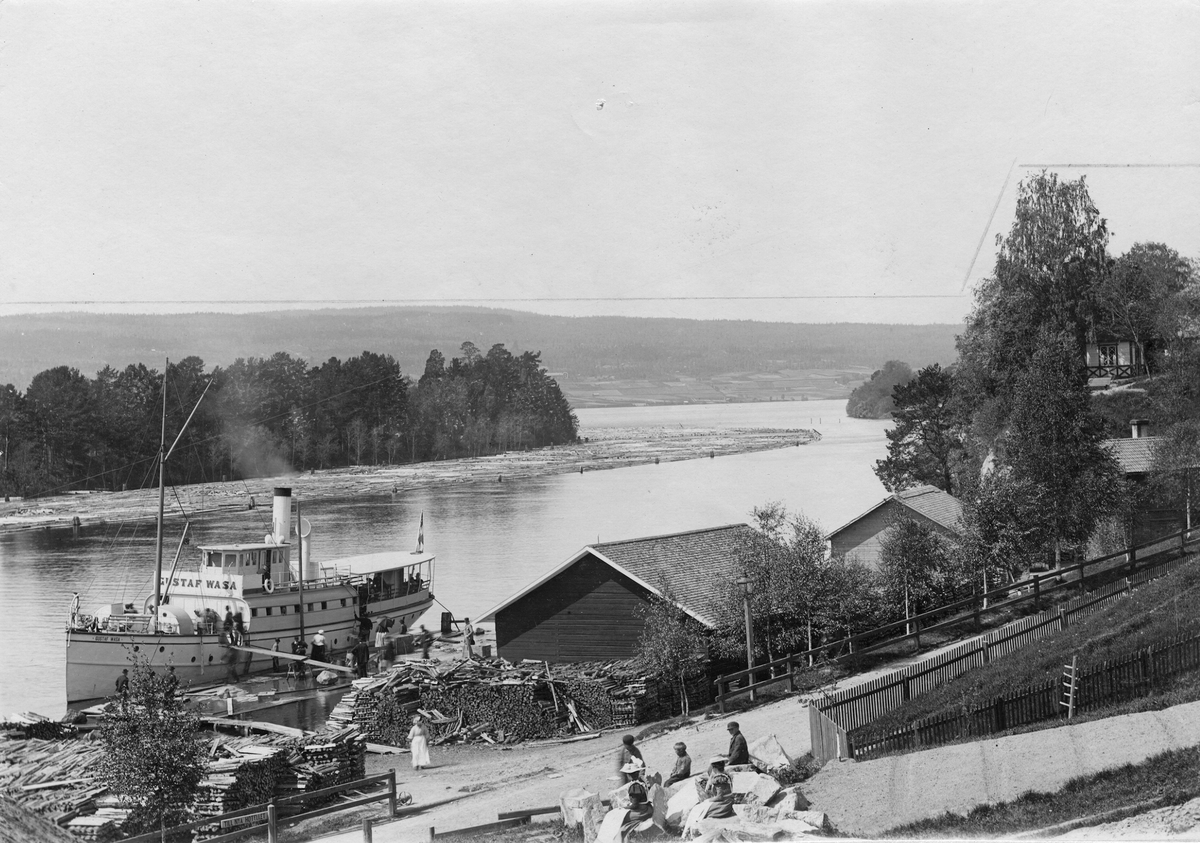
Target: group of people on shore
x,y
714,787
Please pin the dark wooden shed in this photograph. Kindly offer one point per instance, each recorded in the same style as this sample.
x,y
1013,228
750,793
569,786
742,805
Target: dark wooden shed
x,y
586,609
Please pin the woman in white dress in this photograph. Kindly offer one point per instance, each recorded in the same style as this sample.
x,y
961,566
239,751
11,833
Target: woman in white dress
x,y
418,743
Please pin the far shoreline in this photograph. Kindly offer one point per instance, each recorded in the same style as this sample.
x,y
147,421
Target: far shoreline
x,y
600,449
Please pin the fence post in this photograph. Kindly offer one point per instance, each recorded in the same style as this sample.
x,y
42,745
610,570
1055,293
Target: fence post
x,y
1062,618
720,695
392,792
272,823
978,607
791,670
366,827
917,628
905,689
1037,592
1132,558
998,714
987,654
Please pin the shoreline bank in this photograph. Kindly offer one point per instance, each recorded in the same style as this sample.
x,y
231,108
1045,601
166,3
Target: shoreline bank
x,y
600,449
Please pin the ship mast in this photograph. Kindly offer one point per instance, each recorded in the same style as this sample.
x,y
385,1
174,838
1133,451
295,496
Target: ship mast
x,y
162,494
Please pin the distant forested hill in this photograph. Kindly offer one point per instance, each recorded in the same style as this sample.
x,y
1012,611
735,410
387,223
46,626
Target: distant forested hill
x,y
582,347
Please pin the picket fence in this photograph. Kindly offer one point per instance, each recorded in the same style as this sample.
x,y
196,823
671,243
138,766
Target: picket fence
x,y
861,704
1109,682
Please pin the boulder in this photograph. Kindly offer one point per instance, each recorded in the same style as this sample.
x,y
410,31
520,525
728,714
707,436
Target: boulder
x,y
790,799
680,805
763,791
768,754
575,804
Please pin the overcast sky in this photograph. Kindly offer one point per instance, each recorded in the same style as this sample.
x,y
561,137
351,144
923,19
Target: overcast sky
x,y
700,159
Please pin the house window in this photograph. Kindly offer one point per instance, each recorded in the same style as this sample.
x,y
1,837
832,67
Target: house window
x,y
1108,354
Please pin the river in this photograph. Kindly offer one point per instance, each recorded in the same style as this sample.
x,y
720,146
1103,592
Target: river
x,y
491,539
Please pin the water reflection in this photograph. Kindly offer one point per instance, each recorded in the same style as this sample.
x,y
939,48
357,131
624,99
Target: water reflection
x,y
491,538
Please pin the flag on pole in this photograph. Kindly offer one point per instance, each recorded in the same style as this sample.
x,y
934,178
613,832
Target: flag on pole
x,y
421,536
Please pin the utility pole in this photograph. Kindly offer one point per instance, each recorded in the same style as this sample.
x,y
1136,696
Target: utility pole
x,y
744,582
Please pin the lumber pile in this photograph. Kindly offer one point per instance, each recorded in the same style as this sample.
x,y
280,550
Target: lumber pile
x,y
59,779
56,779
338,752
496,701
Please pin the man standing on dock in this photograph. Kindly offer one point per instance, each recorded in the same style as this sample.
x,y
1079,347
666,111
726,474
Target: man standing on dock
x,y
362,655
426,642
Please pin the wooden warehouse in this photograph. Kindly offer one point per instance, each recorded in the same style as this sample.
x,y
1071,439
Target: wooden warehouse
x,y
863,536
586,609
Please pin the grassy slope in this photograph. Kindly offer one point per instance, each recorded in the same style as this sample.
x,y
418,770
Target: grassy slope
x,y
1161,609
1173,777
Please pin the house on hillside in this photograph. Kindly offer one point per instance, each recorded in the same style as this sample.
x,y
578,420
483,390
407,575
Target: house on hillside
x,y
863,536
586,609
1110,357
1135,456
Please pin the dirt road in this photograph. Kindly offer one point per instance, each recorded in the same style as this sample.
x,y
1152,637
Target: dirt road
x,y
530,776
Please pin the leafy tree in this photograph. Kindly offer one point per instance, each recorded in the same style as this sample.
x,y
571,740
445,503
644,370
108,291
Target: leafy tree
x,y
672,643
1048,273
925,445
154,753
1055,443
1139,299
1003,528
1176,466
62,408
798,595
916,570
873,399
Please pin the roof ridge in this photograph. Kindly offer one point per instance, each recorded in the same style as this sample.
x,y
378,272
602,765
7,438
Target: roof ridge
x,y
670,535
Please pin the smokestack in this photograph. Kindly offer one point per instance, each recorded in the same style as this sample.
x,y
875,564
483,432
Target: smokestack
x,y
281,514
1139,428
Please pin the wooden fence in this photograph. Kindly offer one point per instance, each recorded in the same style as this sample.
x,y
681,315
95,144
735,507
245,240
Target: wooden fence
x,y
827,739
1111,681
857,706
1143,562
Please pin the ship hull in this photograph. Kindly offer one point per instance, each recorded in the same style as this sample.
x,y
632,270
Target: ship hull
x,y
96,659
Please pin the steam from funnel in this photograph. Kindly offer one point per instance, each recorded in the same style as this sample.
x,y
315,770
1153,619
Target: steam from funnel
x,y
281,514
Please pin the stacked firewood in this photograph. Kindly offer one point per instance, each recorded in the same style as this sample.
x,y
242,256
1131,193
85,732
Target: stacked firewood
x,y
240,776
496,701
103,826
344,747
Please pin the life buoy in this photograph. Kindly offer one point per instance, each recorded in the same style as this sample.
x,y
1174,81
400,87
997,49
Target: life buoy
x,y
268,584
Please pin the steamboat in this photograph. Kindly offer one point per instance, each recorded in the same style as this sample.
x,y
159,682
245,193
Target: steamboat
x,y
182,623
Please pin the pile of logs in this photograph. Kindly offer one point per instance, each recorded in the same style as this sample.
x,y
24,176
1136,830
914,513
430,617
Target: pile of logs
x,y
496,701
59,780
345,748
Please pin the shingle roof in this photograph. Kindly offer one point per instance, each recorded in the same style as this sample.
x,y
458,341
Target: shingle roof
x,y
939,507
692,563
1135,456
